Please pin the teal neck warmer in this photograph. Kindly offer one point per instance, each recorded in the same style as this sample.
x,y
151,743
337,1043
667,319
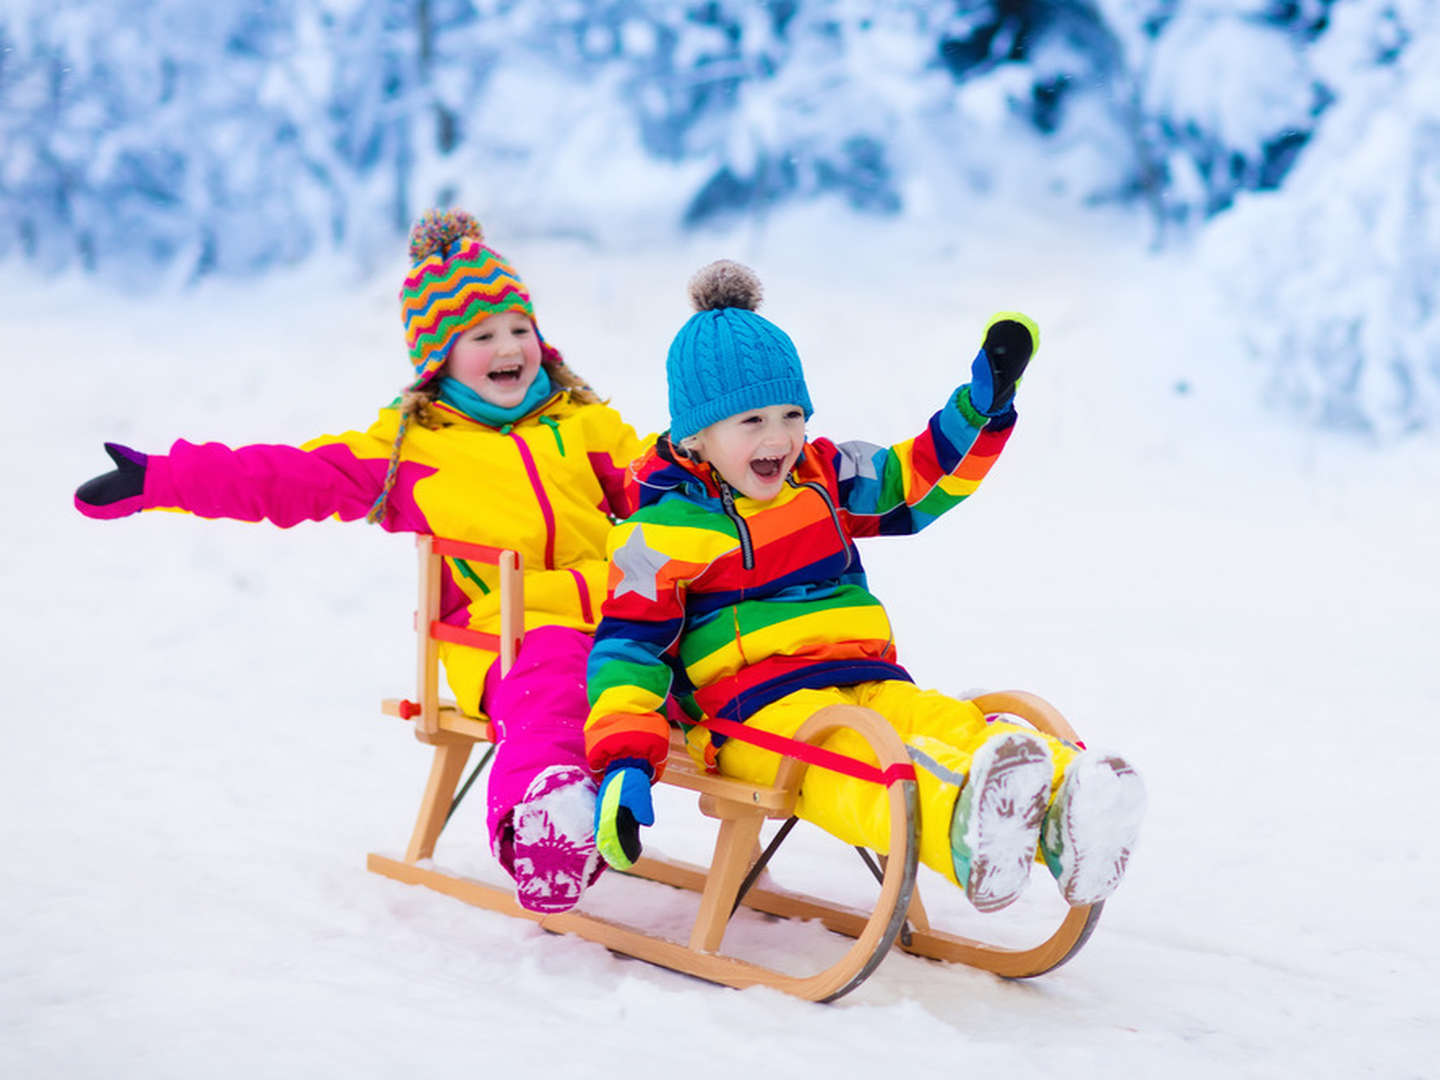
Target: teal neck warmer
x,y
457,395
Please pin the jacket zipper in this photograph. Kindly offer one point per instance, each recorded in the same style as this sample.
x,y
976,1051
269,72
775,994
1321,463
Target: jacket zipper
x,y
554,426
727,500
546,510
834,514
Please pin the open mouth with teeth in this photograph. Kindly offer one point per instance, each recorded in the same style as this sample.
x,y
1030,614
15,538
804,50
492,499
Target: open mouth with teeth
x,y
506,376
767,468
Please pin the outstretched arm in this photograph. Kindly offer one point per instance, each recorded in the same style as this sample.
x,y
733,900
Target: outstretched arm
x,y
333,476
894,490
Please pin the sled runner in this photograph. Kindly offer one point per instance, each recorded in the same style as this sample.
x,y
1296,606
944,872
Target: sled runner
x,y
897,918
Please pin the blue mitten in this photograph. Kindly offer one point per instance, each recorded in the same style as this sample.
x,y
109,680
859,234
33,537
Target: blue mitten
x,y
1011,339
621,808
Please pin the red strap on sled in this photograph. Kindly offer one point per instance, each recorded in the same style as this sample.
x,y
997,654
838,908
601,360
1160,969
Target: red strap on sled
x,y
459,635
459,549
812,754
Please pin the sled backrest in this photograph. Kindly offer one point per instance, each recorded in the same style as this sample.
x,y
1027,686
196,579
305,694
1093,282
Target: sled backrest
x,y
433,715
440,720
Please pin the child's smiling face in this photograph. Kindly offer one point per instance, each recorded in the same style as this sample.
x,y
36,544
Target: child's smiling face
x,y
498,358
754,450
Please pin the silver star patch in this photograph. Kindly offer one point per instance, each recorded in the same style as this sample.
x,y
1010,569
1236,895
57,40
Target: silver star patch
x,y
857,459
640,566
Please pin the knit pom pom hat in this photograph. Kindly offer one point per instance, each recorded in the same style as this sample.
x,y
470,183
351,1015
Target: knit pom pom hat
x,y
726,359
455,281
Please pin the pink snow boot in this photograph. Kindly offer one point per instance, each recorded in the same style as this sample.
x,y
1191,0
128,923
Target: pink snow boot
x,y
555,858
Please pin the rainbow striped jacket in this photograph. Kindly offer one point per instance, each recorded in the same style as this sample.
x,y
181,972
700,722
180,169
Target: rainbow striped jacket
x,y
730,604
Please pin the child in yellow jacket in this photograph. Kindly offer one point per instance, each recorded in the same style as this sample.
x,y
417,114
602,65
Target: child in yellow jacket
x,y
495,442
737,587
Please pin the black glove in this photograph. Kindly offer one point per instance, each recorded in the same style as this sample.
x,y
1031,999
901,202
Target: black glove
x,y
115,493
1011,339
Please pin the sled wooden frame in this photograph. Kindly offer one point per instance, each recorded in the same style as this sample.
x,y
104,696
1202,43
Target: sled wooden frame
x,y
897,919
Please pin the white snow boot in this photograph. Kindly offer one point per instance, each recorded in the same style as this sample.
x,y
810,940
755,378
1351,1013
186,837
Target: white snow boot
x,y
1092,826
997,818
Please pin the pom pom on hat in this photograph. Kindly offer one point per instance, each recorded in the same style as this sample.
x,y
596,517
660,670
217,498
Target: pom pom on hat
x,y
725,284
727,359
438,230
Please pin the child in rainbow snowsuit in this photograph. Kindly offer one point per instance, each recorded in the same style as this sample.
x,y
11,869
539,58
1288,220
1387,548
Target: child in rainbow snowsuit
x,y
513,451
737,587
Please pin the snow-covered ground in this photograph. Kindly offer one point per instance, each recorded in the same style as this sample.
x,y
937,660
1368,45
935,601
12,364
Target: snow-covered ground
x,y
194,765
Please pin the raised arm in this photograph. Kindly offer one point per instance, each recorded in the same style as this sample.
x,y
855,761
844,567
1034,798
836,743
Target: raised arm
x,y
895,490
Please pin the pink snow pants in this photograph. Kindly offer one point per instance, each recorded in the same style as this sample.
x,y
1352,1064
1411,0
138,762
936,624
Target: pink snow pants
x,y
539,711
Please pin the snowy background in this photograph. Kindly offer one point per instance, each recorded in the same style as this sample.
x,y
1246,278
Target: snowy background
x,y
1211,543
159,142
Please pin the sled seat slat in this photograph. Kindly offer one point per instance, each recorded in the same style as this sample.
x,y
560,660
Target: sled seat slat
x,y
449,718
682,772
680,768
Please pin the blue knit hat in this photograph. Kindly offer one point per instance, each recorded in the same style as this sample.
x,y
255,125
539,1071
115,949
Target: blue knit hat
x,y
726,359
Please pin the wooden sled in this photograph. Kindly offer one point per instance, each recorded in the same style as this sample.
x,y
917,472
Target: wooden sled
x,y
897,919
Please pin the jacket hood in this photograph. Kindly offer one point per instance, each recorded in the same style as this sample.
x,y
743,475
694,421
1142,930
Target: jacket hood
x,y
660,470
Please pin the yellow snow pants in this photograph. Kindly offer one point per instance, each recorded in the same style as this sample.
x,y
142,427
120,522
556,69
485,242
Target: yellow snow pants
x,y
942,734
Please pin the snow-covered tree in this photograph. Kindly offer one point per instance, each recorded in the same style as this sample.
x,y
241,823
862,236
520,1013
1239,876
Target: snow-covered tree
x,y
230,136
1338,278
173,139
132,140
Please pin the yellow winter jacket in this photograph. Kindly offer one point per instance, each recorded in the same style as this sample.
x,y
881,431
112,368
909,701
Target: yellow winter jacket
x,y
549,486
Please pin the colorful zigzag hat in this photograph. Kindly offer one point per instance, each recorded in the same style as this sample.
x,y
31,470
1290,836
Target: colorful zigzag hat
x,y
454,282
